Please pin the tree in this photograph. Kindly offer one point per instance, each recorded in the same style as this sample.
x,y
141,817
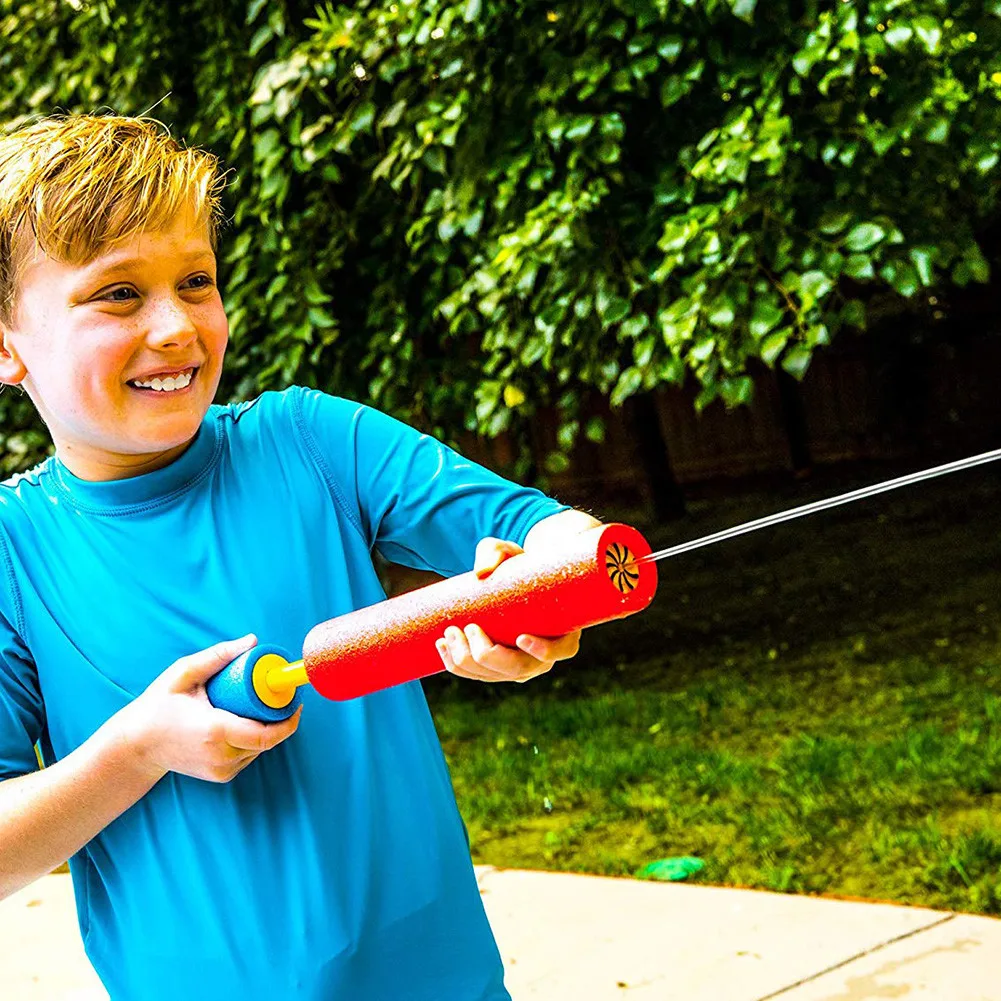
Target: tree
x,y
464,210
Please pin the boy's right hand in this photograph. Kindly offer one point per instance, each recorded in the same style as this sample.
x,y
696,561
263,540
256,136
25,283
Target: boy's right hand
x,y
173,727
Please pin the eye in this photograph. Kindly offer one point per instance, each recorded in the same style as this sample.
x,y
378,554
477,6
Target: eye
x,y
123,293
199,282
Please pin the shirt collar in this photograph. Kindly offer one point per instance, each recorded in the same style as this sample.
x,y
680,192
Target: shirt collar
x,y
146,489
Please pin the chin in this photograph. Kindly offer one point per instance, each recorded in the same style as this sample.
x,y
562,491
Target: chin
x,y
180,434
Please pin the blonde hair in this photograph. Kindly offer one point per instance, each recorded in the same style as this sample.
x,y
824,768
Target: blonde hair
x,y
80,183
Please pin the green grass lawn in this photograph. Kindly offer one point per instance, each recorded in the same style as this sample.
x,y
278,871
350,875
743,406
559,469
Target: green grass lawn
x,y
816,709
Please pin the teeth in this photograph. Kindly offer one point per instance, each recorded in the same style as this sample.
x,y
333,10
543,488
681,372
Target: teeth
x,y
167,384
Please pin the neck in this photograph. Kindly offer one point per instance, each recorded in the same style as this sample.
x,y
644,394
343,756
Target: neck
x,y
107,467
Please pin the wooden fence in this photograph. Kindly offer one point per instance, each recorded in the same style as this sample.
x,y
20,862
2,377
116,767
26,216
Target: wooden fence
x,y
864,398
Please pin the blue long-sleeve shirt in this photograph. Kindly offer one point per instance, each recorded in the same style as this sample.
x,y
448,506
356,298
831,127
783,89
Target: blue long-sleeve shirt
x,y
334,867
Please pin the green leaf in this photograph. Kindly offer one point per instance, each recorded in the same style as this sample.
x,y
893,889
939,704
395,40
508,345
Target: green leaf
x,y
797,361
929,30
320,317
363,117
618,309
615,309
813,51
923,259
594,430
744,9
815,285
628,384
580,128
634,326
817,334
773,345
937,131
612,126
859,266
980,270
644,66
853,313
253,9
673,89
736,391
567,434
262,36
987,162
643,350
670,47
898,35
961,274
393,114
556,463
617,29
703,350
314,295
764,318
834,221
472,11
864,237
902,276
722,314
609,152
434,157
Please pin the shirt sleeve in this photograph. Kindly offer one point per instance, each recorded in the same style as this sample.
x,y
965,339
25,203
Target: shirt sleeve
x,y
21,715
417,501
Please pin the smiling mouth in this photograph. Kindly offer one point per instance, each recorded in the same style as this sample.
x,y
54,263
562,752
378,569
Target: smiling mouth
x,y
165,385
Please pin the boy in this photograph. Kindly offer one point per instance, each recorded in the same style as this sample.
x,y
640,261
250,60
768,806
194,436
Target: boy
x,y
212,856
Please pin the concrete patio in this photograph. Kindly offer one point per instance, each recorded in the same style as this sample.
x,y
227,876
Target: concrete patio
x,y
587,938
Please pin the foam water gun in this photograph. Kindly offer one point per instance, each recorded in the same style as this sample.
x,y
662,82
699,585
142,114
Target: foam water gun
x,y
595,576
602,574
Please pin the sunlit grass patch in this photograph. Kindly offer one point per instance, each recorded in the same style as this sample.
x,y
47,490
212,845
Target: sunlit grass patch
x,y
894,796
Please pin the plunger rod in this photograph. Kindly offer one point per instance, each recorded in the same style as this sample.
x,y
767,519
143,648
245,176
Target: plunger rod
x,y
292,675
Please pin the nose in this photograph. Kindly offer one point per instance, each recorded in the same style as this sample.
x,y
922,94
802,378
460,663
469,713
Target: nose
x,y
170,325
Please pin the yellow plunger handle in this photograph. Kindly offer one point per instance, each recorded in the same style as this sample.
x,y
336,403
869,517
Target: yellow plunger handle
x,y
276,679
288,675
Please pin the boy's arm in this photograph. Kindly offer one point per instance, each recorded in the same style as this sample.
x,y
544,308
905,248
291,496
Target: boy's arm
x,y
550,531
413,499
423,505
47,816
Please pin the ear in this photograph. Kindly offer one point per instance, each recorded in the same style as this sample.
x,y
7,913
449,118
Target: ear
x,y
12,370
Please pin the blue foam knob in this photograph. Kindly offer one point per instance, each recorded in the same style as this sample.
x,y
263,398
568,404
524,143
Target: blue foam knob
x,y
232,688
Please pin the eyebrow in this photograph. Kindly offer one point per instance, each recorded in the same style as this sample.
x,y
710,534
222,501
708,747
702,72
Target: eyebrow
x,y
127,263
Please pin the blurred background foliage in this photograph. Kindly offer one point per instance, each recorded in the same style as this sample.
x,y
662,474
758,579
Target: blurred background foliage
x,y
463,211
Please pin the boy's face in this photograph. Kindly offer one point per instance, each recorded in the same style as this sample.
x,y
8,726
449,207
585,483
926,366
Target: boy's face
x,y
89,344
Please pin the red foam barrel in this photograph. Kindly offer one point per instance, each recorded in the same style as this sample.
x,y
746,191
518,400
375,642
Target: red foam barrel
x,y
590,579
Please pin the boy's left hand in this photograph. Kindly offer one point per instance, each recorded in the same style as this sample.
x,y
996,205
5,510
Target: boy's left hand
x,y
472,654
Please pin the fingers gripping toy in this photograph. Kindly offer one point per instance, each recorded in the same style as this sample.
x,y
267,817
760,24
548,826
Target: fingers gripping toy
x,y
594,577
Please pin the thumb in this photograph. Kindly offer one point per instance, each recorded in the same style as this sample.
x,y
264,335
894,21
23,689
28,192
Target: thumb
x,y
197,668
491,553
